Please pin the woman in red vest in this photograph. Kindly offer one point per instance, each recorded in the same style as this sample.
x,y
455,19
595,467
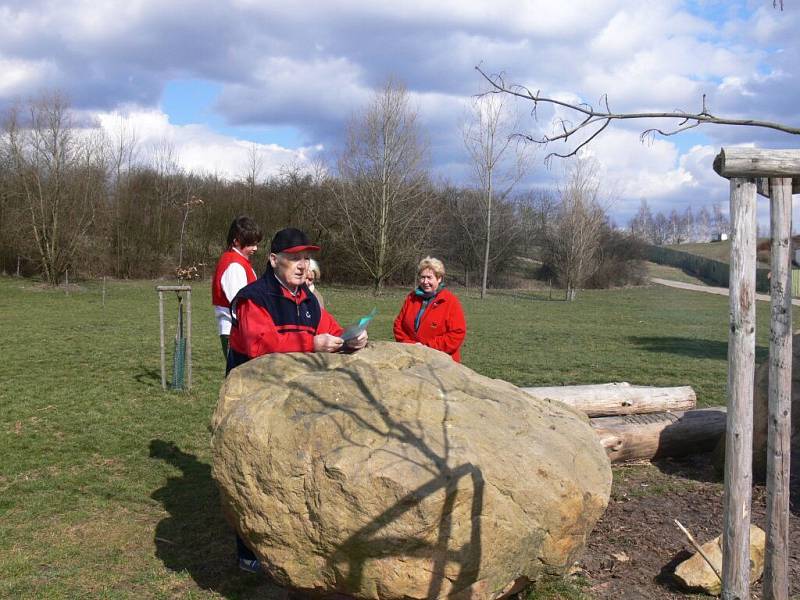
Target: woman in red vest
x,y
233,272
432,315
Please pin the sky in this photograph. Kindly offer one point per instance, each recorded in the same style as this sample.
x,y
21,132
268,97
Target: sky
x,y
220,80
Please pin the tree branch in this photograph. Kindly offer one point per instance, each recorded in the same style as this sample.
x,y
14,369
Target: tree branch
x,y
604,116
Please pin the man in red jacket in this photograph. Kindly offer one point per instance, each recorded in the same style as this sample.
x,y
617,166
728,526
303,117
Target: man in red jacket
x,y
431,315
278,313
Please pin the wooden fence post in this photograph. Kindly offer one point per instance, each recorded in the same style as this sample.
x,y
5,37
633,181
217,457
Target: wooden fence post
x,y
776,563
741,367
161,339
189,336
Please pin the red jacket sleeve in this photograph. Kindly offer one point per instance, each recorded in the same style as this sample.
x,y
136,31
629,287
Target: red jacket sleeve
x,y
400,333
327,324
455,329
256,333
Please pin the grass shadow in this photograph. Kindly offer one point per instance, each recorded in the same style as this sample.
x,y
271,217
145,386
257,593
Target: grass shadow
x,y
149,377
195,538
683,346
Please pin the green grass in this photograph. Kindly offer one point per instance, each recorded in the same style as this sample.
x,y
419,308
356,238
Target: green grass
x,y
720,251
105,485
672,273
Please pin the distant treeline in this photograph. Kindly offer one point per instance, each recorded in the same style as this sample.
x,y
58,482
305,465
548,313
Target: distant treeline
x,y
94,206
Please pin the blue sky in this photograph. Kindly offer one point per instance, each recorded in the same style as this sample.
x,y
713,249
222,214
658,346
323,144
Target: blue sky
x,y
219,80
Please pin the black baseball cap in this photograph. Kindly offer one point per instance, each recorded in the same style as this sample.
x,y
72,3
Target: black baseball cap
x,y
291,240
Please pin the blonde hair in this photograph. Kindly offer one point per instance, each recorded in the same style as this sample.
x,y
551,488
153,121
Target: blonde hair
x,y
434,264
313,265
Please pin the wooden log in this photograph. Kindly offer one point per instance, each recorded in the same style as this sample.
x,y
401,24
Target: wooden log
x,y
763,186
741,367
776,560
606,399
756,162
643,437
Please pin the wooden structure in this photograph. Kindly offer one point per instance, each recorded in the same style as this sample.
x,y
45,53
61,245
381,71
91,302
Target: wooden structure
x,y
775,173
178,289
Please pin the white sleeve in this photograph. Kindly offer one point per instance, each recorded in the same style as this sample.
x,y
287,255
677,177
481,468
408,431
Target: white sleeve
x,y
233,279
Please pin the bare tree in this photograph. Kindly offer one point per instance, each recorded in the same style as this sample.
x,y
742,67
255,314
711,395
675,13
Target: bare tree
x,y
255,164
498,161
59,176
383,192
573,238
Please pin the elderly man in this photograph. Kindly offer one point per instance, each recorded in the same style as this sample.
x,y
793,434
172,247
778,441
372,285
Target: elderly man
x,y
278,313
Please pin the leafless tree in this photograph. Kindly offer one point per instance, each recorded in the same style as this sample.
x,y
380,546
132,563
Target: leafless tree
x,y
498,160
255,164
383,192
59,177
572,239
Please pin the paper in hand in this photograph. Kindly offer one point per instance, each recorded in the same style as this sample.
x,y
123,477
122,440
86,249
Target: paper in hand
x,y
355,330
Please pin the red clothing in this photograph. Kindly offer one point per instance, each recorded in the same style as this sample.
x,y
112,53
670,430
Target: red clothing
x,y
442,326
256,332
228,257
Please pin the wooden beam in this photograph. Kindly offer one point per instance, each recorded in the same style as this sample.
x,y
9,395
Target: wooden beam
x,y
763,189
756,162
776,563
643,437
741,367
605,399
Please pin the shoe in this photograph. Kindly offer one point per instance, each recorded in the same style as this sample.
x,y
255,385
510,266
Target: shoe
x,y
250,565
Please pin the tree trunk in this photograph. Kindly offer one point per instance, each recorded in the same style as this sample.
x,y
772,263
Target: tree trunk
x,y
637,437
618,398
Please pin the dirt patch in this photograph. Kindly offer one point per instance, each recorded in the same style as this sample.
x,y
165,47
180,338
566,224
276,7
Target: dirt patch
x,y
636,545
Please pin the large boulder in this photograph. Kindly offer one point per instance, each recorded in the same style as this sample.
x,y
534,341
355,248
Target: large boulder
x,y
397,473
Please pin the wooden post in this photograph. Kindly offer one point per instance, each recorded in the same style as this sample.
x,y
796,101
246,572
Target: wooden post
x,y
161,339
776,563
104,291
741,367
18,259
66,282
175,288
189,337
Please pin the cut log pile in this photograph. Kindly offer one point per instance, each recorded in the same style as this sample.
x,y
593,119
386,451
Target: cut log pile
x,y
642,422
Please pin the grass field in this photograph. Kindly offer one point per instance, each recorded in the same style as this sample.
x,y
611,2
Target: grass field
x,y
720,251
105,484
673,273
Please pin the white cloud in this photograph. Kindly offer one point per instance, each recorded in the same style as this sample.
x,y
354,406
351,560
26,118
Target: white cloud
x,y
197,148
309,67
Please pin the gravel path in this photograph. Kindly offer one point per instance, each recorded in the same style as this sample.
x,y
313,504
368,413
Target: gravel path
x,y
709,289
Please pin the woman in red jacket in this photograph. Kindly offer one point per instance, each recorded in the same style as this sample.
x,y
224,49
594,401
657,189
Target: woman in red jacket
x,y
432,315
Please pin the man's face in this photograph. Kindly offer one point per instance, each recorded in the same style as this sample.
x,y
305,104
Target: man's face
x,y
291,269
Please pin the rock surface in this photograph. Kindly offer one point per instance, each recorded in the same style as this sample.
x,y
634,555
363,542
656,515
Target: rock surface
x,y
695,574
398,473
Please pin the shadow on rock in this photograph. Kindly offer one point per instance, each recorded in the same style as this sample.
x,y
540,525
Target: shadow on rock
x,y
195,537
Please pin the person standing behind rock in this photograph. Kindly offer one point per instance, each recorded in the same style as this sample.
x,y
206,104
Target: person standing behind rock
x,y
233,272
431,315
278,313
312,276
